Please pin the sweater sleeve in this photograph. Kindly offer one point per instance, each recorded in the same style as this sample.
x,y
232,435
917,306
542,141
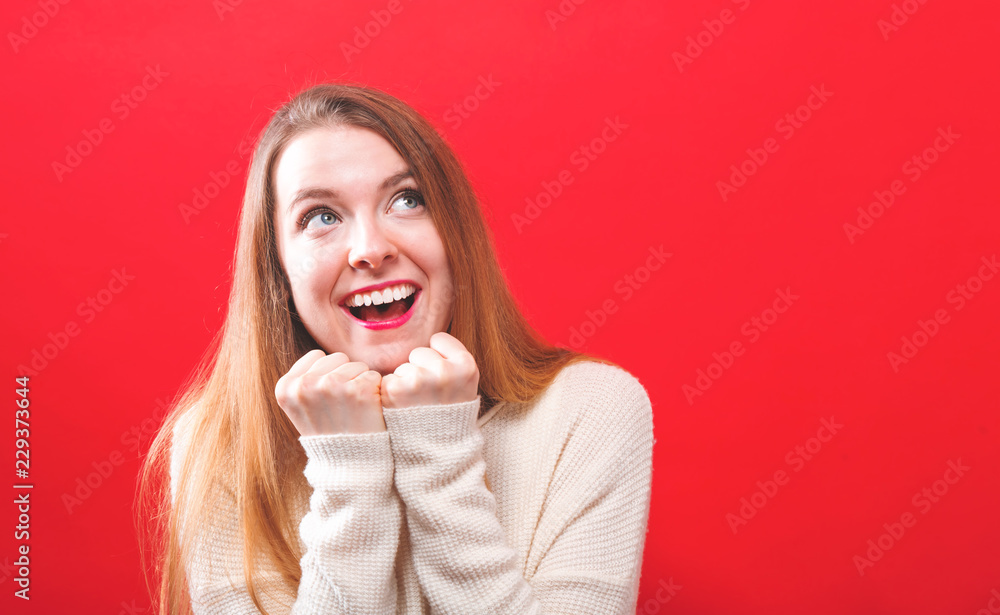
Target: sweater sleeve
x,y
593,519
350,532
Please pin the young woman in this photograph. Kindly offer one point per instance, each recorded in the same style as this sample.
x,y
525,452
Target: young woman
x,y
379,430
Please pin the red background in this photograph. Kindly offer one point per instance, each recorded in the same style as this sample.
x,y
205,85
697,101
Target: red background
x,y
63,236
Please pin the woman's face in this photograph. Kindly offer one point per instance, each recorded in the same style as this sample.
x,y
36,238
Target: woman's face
x,y
353,232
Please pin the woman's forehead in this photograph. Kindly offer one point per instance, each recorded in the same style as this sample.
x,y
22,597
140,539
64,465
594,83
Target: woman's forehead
x,y
350,158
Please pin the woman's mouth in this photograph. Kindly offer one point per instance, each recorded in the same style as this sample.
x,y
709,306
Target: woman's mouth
x,y
388,315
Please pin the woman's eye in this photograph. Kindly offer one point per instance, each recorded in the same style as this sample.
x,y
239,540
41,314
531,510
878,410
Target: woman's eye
x,y
410,200
319,219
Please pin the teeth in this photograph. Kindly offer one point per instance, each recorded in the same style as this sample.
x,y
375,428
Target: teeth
x,y
378,297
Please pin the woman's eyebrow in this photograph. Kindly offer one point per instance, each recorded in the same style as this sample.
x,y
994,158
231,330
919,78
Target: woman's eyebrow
x,y
392,180
326,193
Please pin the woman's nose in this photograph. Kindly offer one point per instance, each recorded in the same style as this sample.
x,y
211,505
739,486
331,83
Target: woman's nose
x,y
370,245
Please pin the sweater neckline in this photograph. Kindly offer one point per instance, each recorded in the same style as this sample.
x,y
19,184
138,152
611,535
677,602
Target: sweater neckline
x,y
482,420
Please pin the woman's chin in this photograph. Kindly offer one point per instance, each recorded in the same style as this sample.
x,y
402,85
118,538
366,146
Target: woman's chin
x,y
385,371
382,362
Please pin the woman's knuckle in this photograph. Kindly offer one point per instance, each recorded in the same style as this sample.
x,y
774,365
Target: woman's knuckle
x,y
308,381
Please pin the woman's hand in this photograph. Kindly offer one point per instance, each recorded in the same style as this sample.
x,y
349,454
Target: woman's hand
x,y
445,373
329,394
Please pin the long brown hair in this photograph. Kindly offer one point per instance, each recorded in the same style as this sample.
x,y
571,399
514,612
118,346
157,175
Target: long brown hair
x,y
246,446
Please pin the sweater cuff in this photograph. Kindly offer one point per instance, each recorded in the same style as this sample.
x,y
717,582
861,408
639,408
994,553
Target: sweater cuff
x,y
433,424
345,459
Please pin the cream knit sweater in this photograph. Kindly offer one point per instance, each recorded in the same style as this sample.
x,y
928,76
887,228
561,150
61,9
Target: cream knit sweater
x,y
402,521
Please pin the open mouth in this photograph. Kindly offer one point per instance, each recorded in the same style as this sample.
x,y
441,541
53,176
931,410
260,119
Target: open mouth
x,y
386,311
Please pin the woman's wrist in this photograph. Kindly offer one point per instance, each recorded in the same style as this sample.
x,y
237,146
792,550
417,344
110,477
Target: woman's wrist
x,y
424,432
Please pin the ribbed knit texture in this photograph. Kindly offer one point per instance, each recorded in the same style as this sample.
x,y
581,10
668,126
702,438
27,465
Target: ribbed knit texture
x,y
402,521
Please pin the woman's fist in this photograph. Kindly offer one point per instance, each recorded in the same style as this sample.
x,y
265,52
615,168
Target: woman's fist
x,y
445,373
328,394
